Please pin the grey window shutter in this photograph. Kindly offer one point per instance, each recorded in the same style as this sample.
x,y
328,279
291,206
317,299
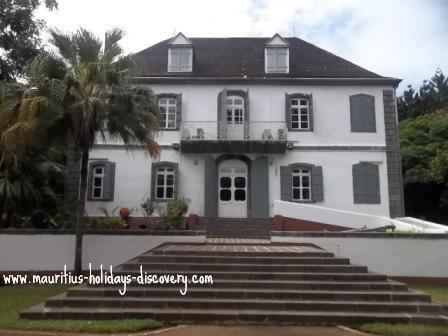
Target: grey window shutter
x,y
154,166
210,188
259,191
178,110
311,112
246,114
176,180
90,182
369,114
317,184
109,181
285,183
366,183
288,111
222,111
362,113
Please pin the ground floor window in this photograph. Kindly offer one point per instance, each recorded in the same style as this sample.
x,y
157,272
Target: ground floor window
x,y
165,183
301,184
98,182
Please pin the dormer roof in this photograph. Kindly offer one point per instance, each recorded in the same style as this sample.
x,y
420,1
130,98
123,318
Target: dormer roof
x,y
277,41
180,40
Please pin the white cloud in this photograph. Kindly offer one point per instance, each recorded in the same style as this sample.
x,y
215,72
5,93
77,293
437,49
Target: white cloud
x,y
405,39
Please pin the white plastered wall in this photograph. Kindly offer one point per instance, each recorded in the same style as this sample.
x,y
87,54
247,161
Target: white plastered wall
x,y
266,103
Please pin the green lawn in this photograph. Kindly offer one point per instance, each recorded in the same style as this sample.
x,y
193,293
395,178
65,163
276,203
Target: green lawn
x,y
404,329
13,299
438,293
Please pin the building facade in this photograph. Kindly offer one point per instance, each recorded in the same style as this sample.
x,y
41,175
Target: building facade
x,y
246,121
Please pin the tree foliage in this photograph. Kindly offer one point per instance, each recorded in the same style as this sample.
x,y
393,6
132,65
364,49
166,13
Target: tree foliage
x,y
19,35
424,148
432,96
31,180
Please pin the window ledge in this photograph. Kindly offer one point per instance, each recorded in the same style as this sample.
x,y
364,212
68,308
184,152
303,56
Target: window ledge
x,y
164,200
168,129
310,201
300,130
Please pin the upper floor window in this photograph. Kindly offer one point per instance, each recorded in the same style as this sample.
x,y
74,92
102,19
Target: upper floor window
x,y
170,110
180,59
235,110
299,112
301,184
164,181
362,113
167,110
101,181
276,55
277,60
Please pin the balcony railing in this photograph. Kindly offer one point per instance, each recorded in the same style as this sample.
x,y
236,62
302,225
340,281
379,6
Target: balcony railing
x,y
246,131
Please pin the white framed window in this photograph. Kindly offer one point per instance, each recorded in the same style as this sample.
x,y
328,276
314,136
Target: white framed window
x,y
235,110
180,59
98,182
167,111
164,189
301,184
300,113
276,60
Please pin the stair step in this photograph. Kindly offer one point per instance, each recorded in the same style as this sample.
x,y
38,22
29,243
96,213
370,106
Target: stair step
x,y
322,254
261,293
285,284
135,265
245,316
243,260
262,276
259,304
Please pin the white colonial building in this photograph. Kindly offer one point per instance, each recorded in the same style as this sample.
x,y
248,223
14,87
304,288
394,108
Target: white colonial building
x,y
248,121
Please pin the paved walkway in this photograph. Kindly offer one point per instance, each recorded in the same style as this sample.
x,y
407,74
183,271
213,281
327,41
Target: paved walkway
x,y
238,241
210,330
185,248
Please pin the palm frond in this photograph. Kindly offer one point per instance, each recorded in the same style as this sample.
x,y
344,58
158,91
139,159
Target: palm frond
x,y
64,43
88,46
111,47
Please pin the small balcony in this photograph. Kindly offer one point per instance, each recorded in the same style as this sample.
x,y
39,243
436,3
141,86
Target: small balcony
x,y
266,137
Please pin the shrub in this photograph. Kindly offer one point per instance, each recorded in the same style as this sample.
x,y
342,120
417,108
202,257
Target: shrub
x,y
173,216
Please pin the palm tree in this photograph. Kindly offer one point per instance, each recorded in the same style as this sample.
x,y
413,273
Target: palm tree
x,y
74,93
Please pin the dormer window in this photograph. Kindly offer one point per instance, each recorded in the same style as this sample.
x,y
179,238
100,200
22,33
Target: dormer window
x,y
276,55
180,54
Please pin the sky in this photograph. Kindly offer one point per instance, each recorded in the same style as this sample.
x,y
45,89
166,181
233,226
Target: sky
x,y
406,39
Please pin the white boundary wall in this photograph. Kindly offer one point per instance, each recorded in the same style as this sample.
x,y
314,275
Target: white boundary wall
x,y
50,252
354,220
414,257
115,250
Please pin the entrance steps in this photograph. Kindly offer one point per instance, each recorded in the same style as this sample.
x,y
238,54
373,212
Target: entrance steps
x,y
235,227
252,284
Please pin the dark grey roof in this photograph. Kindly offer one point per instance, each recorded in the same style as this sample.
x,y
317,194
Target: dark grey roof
x,y
239,57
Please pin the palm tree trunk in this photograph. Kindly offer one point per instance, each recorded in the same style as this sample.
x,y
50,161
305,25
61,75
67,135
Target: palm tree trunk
x,y
80,211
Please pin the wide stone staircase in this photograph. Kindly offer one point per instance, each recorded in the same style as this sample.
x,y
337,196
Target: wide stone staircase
x,y
235,227
253,282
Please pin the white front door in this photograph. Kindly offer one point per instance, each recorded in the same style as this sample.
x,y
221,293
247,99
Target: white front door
x,y
235,118
232,189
